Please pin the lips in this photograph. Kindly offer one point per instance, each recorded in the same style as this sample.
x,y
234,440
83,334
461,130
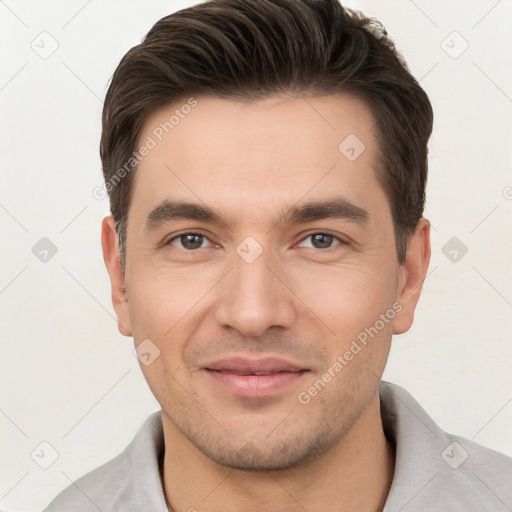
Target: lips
x,y
244,366
254,378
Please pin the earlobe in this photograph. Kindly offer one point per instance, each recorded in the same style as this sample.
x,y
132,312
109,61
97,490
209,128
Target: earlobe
x,y
112,261
414,271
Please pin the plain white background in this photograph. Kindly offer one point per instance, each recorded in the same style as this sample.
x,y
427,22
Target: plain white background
x,y
70,379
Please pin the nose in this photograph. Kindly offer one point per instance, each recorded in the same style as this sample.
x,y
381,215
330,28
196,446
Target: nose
x,y
253,297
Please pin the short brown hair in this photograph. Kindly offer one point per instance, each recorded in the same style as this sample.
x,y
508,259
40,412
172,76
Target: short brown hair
x,y
250,49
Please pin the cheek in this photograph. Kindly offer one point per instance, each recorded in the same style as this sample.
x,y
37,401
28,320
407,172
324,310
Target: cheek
x,y
162,311
348,300
165,302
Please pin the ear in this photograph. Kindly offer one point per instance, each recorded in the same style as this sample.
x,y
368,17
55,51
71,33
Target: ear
x,y
412,275
110,248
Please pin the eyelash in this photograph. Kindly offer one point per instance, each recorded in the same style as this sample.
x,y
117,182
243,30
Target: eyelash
x,y
339,240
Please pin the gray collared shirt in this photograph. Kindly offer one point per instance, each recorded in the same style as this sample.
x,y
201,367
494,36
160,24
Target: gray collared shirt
x,y
434,471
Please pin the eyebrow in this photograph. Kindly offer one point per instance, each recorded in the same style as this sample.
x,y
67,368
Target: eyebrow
x,y
169,210
336,208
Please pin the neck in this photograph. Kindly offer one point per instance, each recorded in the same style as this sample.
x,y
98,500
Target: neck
x,y
355,475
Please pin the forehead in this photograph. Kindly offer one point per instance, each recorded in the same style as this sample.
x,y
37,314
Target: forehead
x,y
258,153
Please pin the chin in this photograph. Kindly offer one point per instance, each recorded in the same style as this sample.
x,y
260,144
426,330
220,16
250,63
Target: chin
x,y
292,452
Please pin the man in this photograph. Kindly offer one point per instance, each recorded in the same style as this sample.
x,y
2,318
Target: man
x,y
266,163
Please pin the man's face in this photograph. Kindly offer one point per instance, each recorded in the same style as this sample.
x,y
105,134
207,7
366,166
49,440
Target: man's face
x,y
258,250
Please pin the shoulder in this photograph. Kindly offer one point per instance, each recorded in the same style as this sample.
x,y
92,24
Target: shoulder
x,y
95,490
128,482
436,469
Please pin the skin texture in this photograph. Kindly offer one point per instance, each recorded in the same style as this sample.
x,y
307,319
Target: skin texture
x,y
252,163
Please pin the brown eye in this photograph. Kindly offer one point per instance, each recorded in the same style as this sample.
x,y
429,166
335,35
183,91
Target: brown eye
x,y
188,241
320,241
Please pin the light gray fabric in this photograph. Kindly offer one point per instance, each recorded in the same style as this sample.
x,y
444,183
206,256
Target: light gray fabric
x,y
437,471
434,471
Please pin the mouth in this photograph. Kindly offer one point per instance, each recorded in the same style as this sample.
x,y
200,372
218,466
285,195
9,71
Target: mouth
x,y
254,378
